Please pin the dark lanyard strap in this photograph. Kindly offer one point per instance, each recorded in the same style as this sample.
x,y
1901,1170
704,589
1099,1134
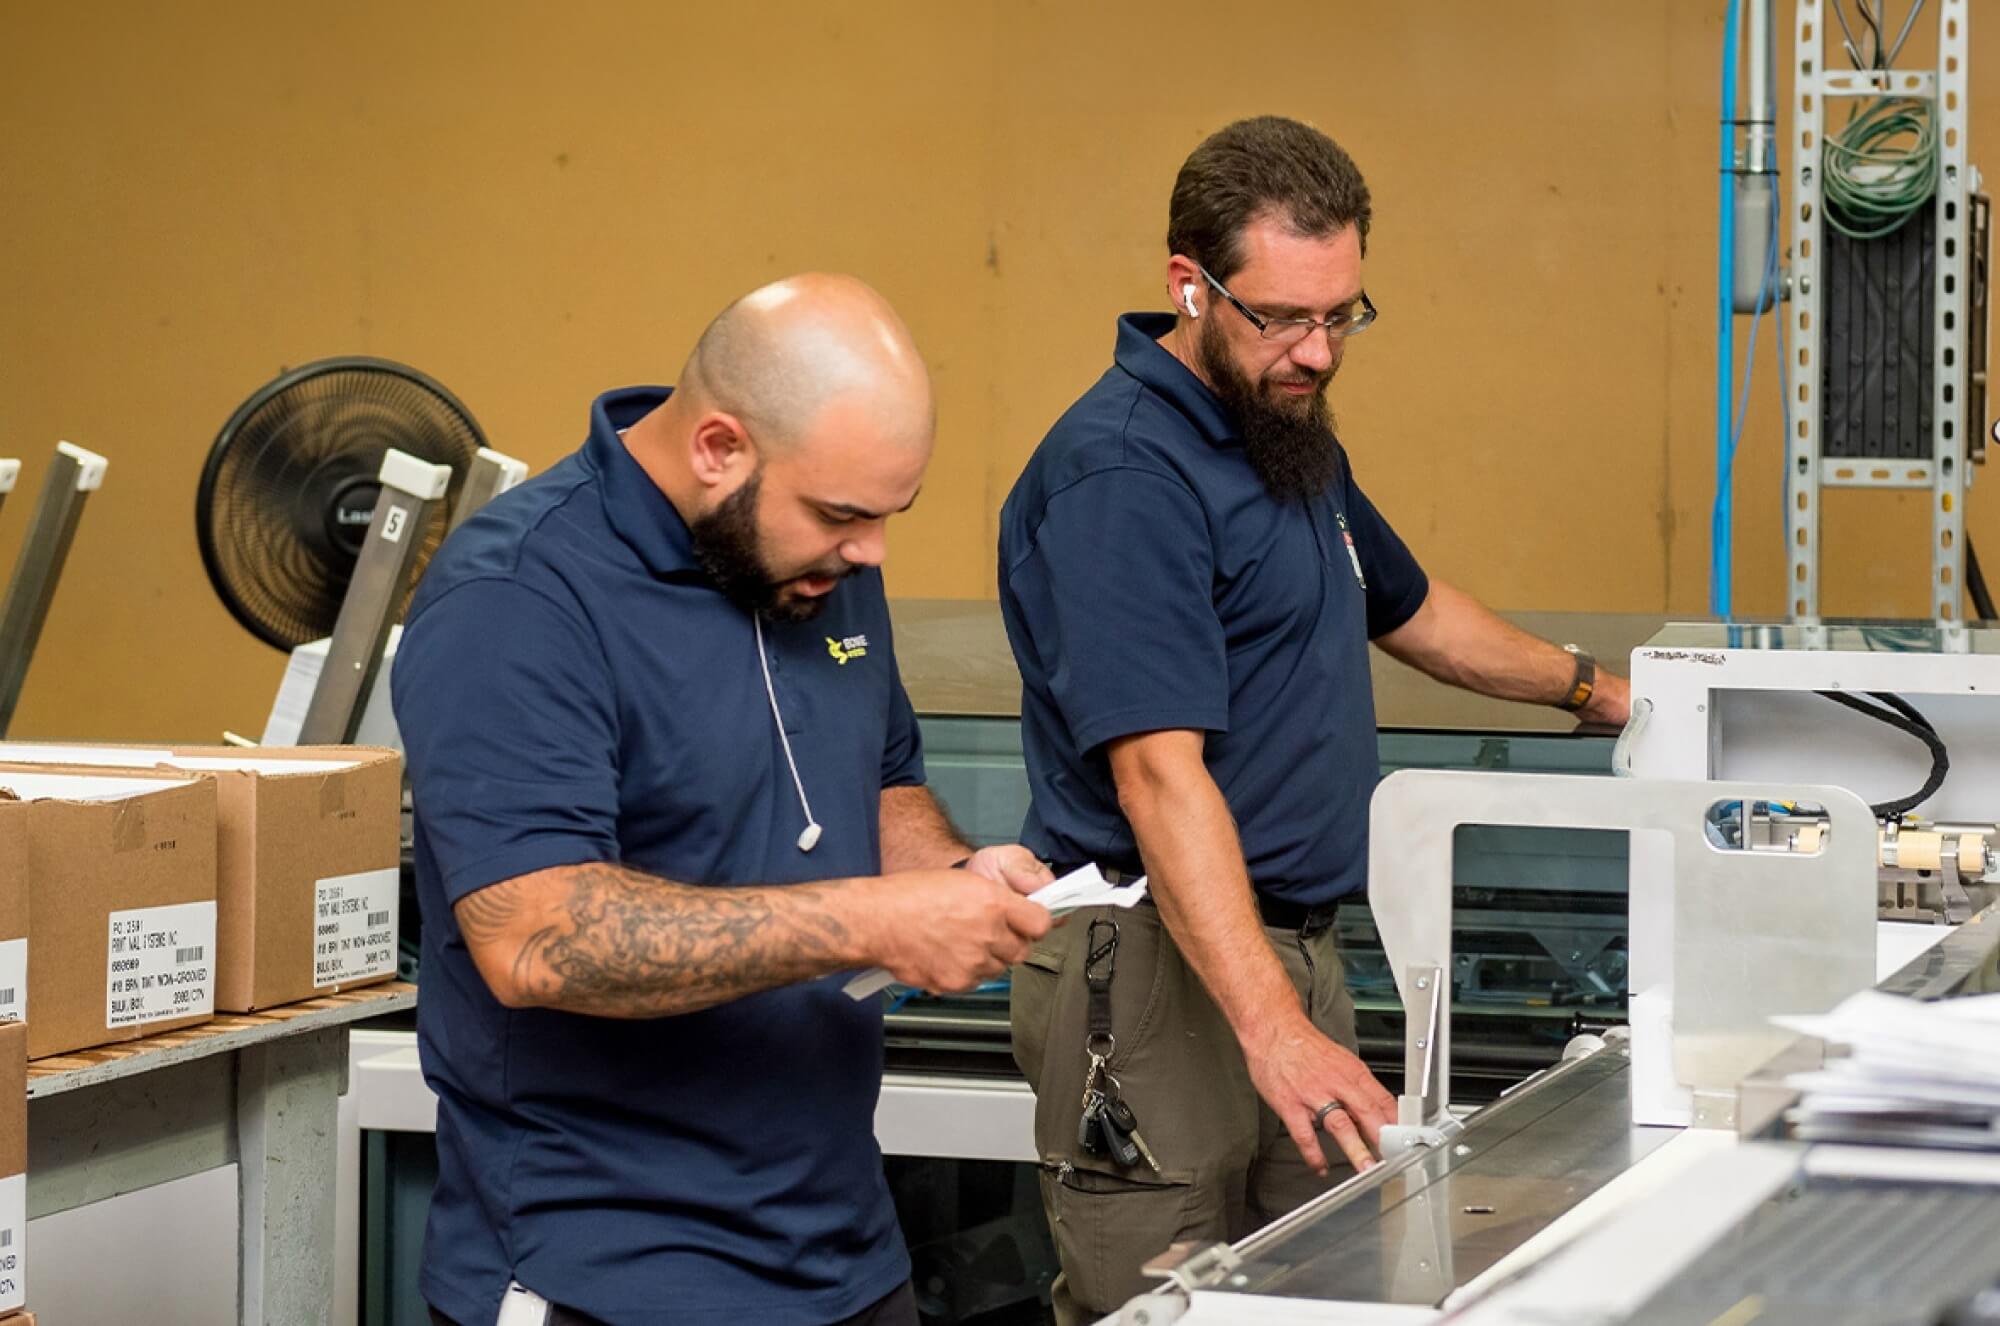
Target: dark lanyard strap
x,y
1098,966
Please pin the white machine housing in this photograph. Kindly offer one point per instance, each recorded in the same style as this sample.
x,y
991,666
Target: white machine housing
x,y
1737,703
1741,958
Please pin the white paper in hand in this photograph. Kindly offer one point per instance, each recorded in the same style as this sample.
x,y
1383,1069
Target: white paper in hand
x,y
1087,887
1083,887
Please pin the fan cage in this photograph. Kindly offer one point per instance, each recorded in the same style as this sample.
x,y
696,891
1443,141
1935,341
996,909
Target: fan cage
x,y
265,508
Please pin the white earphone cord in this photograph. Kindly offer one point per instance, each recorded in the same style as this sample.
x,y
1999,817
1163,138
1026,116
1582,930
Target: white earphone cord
x,y
810,837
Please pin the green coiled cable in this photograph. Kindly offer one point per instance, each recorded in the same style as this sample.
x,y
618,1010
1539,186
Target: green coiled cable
x,y
1881,167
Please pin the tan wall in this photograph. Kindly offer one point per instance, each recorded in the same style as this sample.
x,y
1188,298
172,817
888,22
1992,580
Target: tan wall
x,y
533,202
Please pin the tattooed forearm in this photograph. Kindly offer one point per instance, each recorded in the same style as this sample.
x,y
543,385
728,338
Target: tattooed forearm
x,y
486,915
615,942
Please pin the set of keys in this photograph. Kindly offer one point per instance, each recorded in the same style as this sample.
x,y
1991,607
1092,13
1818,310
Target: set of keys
x,y
1108,1125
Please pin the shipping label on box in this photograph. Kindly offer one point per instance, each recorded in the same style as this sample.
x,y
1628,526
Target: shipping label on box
x,y
13,980
161,964
354,926
13,1242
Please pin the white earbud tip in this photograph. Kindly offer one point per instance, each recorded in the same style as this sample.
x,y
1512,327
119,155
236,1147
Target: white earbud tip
x,y
810,838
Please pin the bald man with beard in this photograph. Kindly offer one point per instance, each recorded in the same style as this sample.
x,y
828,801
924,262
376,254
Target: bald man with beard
x,y
668,790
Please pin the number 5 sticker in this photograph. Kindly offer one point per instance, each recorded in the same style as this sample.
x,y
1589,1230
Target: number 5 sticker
x,y
392,526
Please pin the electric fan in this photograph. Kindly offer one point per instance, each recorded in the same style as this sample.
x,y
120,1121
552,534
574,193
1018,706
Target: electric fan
x,y
290,486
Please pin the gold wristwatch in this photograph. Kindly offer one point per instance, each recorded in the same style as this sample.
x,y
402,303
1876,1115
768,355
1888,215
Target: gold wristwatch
x,y
1582,684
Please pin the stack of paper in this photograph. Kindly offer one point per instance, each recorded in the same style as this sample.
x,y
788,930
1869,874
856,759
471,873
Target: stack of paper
x,y
1916,1073
1083,887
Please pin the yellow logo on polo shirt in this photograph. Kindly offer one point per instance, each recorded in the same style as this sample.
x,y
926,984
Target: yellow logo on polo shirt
x,y
854,646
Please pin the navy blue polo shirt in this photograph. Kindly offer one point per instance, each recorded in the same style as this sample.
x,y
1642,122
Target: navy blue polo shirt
x,y
1148,582
572,688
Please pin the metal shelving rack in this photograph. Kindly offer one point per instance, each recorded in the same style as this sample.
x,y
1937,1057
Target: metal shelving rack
x,y
1957,435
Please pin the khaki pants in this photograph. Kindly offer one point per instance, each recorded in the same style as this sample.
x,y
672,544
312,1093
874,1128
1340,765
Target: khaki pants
x,y
1228,1166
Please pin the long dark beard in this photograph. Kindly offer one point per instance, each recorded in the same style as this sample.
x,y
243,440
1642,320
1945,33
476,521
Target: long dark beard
x,y
1292,450
725,543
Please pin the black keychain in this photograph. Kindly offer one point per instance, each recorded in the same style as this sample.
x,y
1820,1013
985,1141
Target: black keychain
x,y
1098,1042
1107,1124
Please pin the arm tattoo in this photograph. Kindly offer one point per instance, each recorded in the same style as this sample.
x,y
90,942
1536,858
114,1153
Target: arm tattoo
x,y
485,915
615,942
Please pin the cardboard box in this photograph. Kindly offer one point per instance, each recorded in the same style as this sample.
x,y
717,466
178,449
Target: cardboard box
x,y
13,910
121,905
13,1169
309,860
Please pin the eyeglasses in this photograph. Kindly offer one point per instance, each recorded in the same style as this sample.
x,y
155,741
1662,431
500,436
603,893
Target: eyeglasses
x,y
1339,324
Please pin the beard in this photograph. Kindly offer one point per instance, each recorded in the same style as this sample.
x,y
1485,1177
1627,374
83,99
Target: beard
x,y
1289,442
727,546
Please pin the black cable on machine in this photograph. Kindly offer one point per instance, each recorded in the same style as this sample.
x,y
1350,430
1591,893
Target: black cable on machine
x,y
1904,717
1905,708
1975,584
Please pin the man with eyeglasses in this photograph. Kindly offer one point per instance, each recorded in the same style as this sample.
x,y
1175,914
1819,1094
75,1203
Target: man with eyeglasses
x,y
1190,578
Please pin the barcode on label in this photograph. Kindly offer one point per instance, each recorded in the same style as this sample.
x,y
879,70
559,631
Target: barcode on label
x,y
6,1238
9,994
377,918
185,955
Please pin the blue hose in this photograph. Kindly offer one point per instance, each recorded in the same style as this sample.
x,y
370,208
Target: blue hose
x,y
1721,555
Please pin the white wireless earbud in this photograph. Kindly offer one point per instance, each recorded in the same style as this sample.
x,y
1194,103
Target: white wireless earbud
x,y
1187,300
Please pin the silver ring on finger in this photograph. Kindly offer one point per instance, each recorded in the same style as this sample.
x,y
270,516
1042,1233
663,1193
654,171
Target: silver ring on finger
x,y
1319,1115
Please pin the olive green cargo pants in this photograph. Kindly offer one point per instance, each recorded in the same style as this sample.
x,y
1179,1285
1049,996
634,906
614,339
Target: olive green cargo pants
x,y
1227,1165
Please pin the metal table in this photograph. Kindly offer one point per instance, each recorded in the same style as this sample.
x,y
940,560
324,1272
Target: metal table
x,y
259,1091
1427,1223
